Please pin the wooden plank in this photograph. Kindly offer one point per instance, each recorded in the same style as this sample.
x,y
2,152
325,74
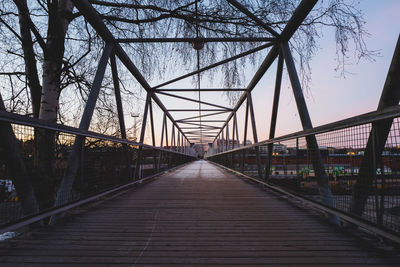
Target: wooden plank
x,y
197,215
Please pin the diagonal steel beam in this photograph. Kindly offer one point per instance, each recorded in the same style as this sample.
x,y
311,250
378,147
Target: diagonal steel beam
x,y
201,90
196,110
312,144
201,116
204,121
192,100
253,17
251,51
75,155
198,124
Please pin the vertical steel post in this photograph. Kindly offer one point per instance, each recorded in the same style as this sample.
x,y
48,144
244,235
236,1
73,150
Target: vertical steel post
x,y
322,178
227,136
233,131
166,131
178,142
218,142
297,160
274,113
153,139
63,194
173,137
232,154
121,120
162,131
142,133
223,141
161,141
246,119
253,127
117,91
237,131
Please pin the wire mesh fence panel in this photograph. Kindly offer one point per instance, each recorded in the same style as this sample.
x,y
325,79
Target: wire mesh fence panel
x,y
363,175
59,167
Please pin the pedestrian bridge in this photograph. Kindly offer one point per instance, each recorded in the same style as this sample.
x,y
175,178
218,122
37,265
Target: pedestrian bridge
x,y
198,214
326,195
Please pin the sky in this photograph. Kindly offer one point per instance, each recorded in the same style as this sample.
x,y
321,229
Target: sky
x,y
331,97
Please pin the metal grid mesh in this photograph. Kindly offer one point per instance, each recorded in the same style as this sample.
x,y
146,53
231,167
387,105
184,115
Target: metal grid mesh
x,y
103,165
342,153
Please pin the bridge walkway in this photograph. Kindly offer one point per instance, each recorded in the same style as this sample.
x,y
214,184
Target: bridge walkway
x,y
196,215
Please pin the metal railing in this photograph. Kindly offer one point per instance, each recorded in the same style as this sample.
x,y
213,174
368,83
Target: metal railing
x,y
106,163
363,172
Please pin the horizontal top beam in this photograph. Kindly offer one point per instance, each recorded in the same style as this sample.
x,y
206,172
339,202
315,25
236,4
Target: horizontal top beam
x,y
196,110
191,40
201,90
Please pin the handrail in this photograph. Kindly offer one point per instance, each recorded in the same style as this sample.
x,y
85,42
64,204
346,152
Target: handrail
x,y
370,117
10,117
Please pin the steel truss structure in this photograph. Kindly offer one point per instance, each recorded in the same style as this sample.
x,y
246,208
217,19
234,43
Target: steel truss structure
x,y
279,48
194,129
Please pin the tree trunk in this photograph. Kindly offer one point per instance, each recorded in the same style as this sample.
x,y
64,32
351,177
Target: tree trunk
x,y
59,19
29,58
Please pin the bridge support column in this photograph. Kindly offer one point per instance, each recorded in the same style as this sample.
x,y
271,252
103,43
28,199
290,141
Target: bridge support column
x,y
322,178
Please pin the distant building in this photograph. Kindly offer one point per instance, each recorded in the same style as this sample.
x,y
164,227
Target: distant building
x,y
276,148
248,142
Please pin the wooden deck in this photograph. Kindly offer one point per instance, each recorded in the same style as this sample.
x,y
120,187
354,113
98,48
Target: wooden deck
x,y
196,215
